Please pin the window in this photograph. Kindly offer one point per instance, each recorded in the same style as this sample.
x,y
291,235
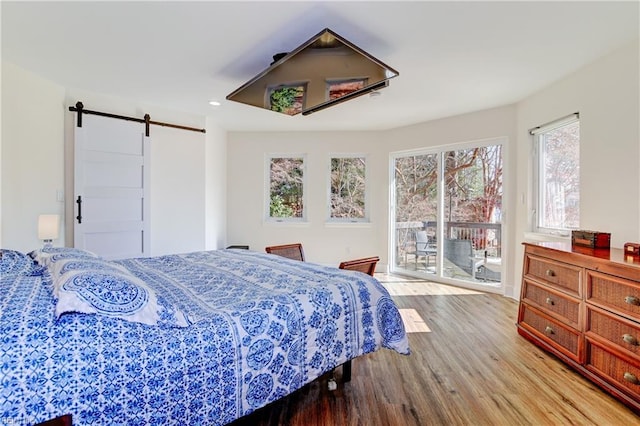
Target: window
x,y
348,189
557,180
288,99
286,188
340,88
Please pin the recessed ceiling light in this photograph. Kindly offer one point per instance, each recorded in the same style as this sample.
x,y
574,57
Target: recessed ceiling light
x,y
214,103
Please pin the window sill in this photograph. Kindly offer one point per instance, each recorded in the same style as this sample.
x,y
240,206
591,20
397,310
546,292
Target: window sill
x,y
289,223
537,237
348,224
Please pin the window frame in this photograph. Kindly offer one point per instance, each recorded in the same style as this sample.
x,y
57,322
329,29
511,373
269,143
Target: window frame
x,y
537,168
267,188
354,220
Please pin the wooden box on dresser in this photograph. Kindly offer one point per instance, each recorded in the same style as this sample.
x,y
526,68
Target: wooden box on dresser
x,y
583,305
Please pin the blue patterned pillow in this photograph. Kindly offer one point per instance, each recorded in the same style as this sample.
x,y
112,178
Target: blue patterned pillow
x,y
15,263
96,286
48,255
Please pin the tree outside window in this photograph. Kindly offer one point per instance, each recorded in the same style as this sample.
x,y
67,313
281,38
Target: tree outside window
x,y
558,176
286,187
287,99
348,189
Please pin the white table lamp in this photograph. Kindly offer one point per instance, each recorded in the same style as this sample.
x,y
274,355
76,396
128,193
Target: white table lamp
x,y
48,228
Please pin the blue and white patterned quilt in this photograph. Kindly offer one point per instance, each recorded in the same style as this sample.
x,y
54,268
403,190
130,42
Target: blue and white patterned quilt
x,y
260,327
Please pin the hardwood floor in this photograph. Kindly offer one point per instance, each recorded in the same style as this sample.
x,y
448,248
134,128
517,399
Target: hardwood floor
x,y
471,368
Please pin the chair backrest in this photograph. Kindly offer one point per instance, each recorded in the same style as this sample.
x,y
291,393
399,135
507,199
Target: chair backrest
x,y
422,239
365,264
459,252
291,251
425,243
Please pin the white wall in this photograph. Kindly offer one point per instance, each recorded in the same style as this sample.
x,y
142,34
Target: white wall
x,y
177,191
37,148
325,243
32,155
215,187
606,94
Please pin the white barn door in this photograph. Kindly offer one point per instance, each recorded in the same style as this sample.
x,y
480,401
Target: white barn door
x,y
111,187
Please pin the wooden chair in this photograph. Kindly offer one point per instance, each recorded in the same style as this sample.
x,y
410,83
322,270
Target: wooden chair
x,y
58,421
291,251
365,264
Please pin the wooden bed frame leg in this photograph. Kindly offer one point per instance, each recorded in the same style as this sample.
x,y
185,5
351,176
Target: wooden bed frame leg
x,y
346,371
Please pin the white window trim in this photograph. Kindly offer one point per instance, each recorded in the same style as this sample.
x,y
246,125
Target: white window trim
x,y
536,132
267,190
439,150
367,189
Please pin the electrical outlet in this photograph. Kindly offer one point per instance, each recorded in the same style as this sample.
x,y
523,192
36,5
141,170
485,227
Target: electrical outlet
x,y
60,196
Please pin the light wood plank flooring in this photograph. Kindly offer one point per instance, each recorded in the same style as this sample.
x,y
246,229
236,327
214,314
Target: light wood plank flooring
x,y
470,368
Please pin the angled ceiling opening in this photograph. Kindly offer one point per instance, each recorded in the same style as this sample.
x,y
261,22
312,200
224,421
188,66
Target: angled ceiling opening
x,y
325,70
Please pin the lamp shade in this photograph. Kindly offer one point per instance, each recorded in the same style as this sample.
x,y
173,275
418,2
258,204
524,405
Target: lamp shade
x,y
48,226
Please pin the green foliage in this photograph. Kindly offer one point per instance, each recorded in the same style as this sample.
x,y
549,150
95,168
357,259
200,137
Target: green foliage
x,y
283,98
277,207
286,182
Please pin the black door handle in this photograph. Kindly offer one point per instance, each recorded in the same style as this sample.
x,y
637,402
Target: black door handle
x,y
79,201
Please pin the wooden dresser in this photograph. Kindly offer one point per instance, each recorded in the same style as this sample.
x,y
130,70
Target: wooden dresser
x,y
583,305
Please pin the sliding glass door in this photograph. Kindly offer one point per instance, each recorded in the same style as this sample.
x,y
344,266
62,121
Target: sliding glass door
x,y
447,215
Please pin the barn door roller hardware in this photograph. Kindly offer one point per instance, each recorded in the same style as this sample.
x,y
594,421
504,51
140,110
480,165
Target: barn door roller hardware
x,y
79,108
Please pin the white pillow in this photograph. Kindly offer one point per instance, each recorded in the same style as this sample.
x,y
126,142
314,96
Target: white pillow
x,y
95,286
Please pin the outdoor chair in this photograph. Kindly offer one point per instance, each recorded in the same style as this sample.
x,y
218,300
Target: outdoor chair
x,y
425,246
460,253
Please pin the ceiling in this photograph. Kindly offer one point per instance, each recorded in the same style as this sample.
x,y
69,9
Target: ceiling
x,y
453,57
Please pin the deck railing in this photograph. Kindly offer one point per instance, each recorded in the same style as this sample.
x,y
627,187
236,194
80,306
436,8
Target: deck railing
x,y
486,237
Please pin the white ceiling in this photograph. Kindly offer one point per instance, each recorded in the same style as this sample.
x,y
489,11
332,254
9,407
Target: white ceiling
x,y
453,57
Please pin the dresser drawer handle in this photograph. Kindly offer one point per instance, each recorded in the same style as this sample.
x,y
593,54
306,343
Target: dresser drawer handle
x,y
628,338
632,300
549,330
550,273
631,378
550,301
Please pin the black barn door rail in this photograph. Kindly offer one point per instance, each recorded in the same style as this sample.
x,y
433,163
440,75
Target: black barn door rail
x,y
79,108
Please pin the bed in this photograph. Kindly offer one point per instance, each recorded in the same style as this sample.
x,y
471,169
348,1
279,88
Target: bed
x,y
196,338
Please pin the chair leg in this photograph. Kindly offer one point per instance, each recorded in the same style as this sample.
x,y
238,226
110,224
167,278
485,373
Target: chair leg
x,y
346,371
346,376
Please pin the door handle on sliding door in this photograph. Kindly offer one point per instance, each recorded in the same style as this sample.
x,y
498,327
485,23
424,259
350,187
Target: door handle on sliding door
x,y
79,201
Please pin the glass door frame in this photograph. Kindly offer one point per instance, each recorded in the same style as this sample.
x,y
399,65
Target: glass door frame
x,y
440,150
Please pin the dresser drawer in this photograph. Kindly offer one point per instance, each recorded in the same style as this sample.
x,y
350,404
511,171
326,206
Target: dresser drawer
x,y
614,293
614,329
562,337
560,275
622,373
555,303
